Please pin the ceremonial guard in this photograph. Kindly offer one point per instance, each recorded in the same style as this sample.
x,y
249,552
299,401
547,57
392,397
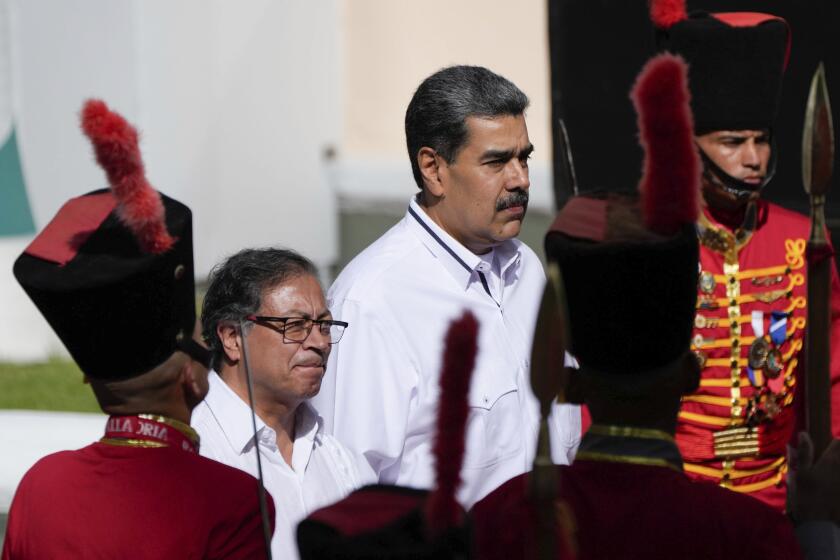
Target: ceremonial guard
x,y
626,494
113,275
749,328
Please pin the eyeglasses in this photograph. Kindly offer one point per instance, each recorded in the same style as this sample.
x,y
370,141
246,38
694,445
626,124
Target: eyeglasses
x,y
296,329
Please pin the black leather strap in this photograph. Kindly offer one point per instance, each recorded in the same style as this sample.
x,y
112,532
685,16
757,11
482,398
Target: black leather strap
x,y
735,186
195,351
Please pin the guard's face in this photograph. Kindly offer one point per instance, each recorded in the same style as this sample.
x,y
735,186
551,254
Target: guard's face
x,y
743,154
485,188
289,372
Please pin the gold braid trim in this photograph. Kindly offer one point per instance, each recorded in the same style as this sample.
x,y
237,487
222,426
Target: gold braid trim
x,y
757,486
725,362
132,442
780,270
629,431
716,401
633,460
185,429
724,382
734,473
703,419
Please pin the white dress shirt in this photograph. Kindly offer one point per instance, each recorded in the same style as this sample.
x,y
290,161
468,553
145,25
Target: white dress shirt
x,y
380,393
323,471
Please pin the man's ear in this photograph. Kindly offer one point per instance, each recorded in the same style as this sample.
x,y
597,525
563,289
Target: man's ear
x,y
194,382
429,165
228,334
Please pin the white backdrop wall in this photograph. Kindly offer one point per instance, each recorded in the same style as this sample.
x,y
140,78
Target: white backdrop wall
x,y
236,101
389,46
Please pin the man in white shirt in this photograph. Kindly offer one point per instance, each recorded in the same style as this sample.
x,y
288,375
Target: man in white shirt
x,y
455,249
271,301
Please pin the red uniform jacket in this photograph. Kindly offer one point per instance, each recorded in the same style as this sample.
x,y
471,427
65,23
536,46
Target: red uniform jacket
x,y
104,501
627,498
734,429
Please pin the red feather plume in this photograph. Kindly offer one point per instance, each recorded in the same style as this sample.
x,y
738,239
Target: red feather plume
x,y
665,13
670,185
115,143
461,346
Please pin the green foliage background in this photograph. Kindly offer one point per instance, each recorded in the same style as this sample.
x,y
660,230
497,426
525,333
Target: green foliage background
x,y
53,385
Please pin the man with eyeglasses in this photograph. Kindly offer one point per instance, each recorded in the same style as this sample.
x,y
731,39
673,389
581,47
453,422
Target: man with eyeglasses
x,y
265,317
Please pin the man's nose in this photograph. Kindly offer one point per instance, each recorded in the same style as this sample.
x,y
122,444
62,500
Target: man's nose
x,y
751,157
517,175
316,339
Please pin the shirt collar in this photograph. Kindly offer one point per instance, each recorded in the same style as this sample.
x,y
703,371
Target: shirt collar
x,y
234,417
626,444
461,263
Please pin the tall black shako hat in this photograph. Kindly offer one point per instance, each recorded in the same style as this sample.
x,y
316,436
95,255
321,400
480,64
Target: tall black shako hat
x,y
396,522
629,261
736,62
113,271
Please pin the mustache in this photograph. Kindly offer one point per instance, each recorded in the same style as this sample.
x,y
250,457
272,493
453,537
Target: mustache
x,y
516,198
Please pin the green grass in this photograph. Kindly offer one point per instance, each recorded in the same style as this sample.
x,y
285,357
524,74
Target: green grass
x,y
53,385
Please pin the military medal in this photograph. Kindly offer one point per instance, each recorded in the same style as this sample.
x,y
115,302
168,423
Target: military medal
x,y
757,355
708,302
771,406
703,322
701,358
766,406
770,297
773,363
767,280
707,282
778,334
753,415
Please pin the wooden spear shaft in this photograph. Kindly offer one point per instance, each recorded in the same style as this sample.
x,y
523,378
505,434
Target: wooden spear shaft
x,y
817,167
547,373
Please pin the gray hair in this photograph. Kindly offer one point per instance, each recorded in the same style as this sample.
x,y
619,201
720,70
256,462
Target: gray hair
x,y
237,286
436,116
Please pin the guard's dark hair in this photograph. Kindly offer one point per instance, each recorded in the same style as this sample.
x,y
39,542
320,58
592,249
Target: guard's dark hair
x,y
237,285
436,116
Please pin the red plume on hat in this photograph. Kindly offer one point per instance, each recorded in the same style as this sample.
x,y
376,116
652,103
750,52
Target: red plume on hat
x,y
442,509
665,13
139,206
670,185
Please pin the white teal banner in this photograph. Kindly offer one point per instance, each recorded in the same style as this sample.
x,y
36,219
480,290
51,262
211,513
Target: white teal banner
x,y
15,212
238,108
